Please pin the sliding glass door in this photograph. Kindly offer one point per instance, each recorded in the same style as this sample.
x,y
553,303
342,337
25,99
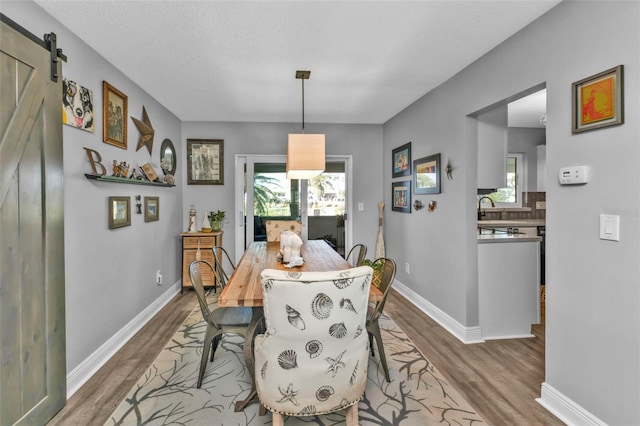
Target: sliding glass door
x,y
320,204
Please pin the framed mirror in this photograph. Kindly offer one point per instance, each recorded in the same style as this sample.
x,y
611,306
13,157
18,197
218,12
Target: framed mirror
x,y
168,152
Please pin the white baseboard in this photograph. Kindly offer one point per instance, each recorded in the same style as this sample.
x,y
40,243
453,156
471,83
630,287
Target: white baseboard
x,y
87,368
465,334
565,409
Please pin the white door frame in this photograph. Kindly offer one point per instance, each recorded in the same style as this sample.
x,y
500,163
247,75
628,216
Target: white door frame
x,y
248,160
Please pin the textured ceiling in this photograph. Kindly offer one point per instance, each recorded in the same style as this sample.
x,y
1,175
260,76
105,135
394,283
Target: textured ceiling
x,y
236,60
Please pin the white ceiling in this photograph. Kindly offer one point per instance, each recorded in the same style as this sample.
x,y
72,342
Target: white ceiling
x,y
236,60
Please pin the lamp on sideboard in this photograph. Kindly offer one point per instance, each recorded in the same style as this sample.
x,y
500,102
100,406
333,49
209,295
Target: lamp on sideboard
x,y
305,152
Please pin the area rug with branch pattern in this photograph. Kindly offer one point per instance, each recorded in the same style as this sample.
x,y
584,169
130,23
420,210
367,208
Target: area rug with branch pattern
x,y
167,395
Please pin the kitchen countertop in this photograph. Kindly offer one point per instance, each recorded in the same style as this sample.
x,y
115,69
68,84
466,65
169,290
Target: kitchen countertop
x,y
512,223
506,238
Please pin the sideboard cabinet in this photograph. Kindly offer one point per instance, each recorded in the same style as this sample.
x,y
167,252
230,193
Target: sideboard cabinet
x,y
205,241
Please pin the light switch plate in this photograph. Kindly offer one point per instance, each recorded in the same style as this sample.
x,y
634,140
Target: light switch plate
x,y
610,227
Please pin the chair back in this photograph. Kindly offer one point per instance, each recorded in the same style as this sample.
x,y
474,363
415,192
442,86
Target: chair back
x,y
313,356
196,280
359,251
388,272
224,265
275,227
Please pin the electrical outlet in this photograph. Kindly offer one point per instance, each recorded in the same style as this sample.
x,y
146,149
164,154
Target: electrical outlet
x,y
406,268
158,277
541,205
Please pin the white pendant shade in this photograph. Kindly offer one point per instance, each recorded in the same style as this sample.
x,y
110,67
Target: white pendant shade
x,y
305,156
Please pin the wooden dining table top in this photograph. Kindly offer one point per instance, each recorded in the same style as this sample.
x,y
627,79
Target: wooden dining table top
x,y
244,287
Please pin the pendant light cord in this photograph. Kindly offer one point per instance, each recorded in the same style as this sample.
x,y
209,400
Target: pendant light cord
x,y
302,105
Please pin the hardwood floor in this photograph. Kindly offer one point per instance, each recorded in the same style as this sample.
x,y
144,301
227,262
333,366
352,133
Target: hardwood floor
x,y
499,378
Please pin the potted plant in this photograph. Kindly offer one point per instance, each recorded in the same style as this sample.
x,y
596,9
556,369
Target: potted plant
x,y
215,219
376,279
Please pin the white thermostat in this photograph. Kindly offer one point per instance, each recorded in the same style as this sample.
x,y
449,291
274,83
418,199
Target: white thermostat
x,y
574,175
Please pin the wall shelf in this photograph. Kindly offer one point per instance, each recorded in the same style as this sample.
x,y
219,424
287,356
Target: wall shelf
x,y
115,179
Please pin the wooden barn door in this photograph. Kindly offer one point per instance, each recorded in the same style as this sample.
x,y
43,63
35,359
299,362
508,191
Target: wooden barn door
x,y
32,316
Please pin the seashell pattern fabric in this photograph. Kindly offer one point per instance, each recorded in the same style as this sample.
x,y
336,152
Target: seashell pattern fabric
x,y
315,359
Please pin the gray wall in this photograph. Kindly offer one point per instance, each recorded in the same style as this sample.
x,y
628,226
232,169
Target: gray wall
x,y
592,296
363,141
110,274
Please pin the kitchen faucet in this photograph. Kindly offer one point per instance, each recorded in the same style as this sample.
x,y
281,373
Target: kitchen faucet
x,y
481,213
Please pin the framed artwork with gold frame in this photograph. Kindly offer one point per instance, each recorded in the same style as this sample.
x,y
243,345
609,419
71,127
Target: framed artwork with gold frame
x,y
114,116
597,101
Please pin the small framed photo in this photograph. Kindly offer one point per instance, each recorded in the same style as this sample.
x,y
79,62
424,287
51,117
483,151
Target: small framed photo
x,y
426,175
401,196
401,158
114,116
205,162
151,209
149,172
119,212
597,101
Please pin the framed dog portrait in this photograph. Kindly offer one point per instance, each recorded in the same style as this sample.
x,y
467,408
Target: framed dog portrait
x,y
401,158
151,209
119,212
426,175
77,105
401,196
597,101
114,116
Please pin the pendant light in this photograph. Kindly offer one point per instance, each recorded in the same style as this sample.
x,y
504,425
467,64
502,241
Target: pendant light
x,y
305,152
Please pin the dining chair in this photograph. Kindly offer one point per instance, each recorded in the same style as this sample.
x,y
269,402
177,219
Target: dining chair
x,y
224,265
313,357
387,268
275,227
359,250
219,320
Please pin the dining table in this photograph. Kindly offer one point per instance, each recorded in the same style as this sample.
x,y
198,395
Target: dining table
x,y
244,287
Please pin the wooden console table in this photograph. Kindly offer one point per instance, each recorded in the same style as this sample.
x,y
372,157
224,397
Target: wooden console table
x,y
206,241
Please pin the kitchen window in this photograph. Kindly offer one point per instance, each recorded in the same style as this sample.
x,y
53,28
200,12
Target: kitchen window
x,y
511,195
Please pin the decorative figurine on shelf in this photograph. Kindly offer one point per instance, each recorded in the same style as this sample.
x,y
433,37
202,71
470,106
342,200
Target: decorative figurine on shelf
x,y
192,219
120,169
169,179
206,226
165,165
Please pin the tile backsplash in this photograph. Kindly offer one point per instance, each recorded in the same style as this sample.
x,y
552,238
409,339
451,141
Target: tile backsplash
x,y
530,199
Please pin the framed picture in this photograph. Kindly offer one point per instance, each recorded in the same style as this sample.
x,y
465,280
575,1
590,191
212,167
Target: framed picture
x,y
114,116
149,172
205,162
151,209
426,175
119,212
401,158
597,101
77,105
401,196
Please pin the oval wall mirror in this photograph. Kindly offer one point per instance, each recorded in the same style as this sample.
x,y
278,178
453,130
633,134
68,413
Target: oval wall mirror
x,y
168,152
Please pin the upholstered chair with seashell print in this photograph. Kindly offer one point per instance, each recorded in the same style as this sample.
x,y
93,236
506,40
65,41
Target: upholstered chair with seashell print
x,y
313,357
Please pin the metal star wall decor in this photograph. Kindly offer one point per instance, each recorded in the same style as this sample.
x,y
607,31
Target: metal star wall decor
x,y
146,131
